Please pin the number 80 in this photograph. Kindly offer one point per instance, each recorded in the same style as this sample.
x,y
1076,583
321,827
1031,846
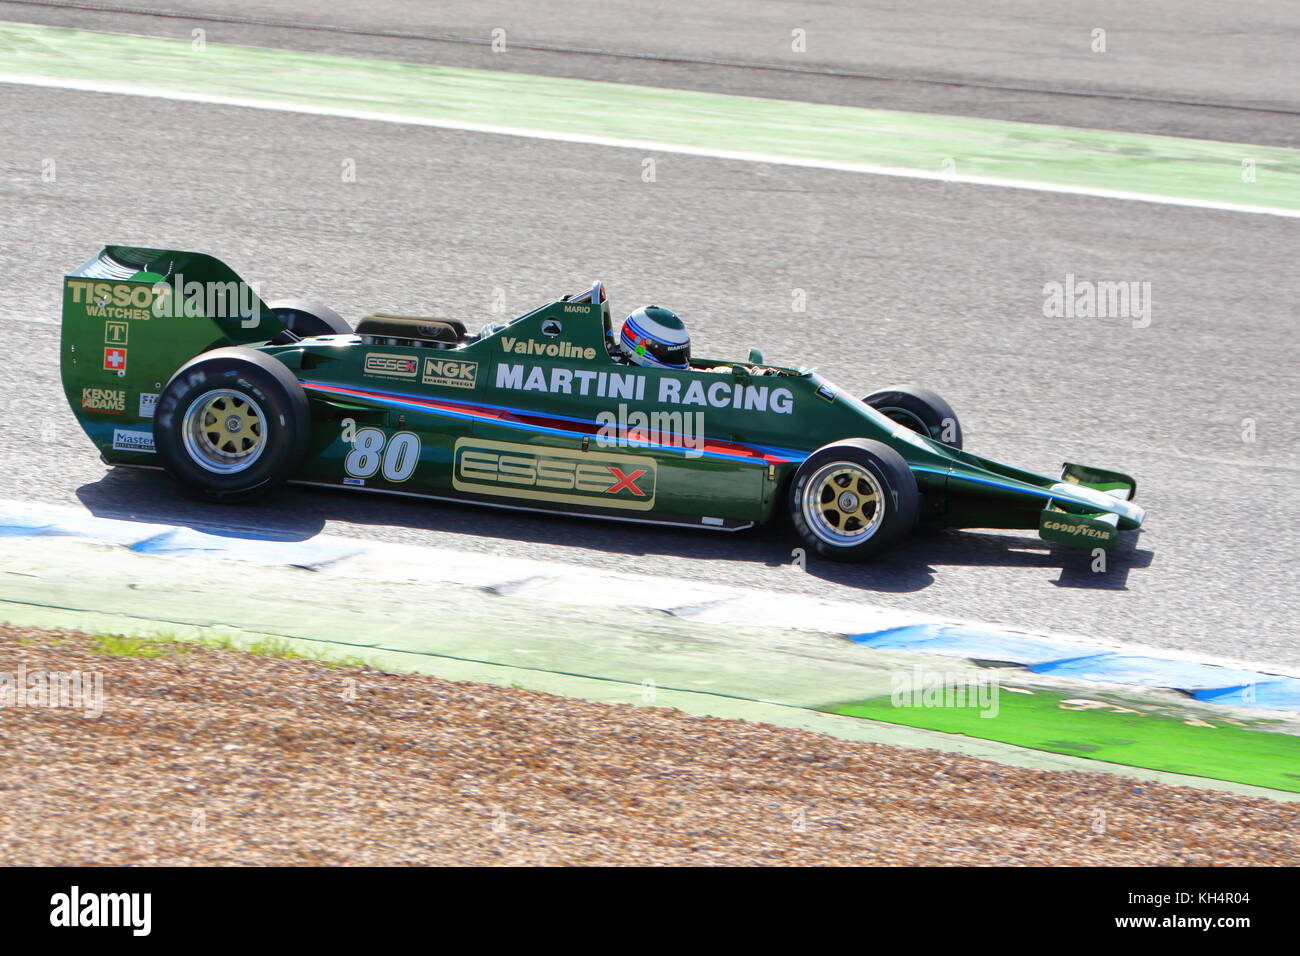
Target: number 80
x,y
369,454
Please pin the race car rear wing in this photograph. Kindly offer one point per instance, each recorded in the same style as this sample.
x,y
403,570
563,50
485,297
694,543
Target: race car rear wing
x,y
135,284
131,318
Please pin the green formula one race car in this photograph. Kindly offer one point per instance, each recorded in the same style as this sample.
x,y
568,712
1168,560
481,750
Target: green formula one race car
x,y
170,360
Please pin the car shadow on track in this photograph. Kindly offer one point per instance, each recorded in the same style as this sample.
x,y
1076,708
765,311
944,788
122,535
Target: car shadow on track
x,y
913,564
148,496
299,513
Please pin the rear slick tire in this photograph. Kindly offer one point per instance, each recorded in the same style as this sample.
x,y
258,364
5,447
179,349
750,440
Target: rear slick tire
x,y
232,425
306,318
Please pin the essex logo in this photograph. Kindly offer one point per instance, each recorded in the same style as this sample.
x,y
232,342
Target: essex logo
x,y
555,474
110,401
450,372
387,365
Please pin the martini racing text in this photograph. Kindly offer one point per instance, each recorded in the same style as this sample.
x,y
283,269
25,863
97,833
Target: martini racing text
x,y
632,386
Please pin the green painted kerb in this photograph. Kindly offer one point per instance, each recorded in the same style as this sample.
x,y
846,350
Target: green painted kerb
x,y
1117,732
1157,166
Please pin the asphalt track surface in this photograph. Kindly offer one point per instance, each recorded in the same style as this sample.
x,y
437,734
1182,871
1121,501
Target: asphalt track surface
x,y
932,282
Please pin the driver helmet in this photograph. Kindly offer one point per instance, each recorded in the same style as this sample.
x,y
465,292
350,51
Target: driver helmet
x,y
656,338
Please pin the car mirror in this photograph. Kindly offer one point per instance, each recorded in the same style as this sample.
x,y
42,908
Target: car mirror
x,y
755,357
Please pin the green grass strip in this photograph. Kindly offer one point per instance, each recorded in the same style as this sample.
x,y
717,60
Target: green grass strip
x,y
1119,732
1052,157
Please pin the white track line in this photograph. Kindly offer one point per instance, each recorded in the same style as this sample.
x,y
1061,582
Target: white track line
x,y
126,89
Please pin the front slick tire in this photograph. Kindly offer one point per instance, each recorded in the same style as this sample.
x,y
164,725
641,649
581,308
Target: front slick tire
x,y
232,424
852,499
921,410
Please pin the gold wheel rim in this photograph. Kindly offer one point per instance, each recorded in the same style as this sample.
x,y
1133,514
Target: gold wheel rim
x,y
225,431
843,504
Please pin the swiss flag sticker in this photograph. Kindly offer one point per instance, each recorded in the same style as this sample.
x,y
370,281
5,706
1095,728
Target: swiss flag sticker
x,y
115,360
